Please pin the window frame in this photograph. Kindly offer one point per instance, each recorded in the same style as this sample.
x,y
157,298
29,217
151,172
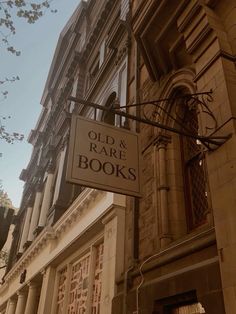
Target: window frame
x,y
68,263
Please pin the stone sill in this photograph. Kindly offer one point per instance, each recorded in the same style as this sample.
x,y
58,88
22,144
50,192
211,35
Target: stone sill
x,y
176,250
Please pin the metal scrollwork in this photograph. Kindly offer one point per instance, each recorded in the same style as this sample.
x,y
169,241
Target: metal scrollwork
x,y
203,101
173,114
173,110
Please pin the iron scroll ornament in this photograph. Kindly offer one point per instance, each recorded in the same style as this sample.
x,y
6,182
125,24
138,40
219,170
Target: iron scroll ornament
x,y
198,101
171,111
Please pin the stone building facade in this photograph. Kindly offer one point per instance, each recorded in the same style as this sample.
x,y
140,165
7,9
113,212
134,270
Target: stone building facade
x,y
180,248
171,251
68,240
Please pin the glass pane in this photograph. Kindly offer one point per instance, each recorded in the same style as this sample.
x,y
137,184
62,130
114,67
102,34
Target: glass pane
x,y
78,291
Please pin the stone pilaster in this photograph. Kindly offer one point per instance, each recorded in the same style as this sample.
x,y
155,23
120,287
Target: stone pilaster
x,y
11,306
113,257
21,301
25,231
163,188
46,197
46,295
35,213
59,176
31,303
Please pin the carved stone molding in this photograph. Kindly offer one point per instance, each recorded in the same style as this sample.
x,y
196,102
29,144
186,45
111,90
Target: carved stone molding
x,y
50,233
51,166
162,141
155,28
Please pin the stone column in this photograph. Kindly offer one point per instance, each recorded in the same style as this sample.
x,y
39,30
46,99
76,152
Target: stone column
x,y
47,290
46,198
113,258
35,213
31,303
21,300
25,231
165,237
59,175
11,306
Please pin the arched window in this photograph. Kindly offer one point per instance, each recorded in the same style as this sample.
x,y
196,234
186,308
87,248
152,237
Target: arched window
x,y
193,164
109,117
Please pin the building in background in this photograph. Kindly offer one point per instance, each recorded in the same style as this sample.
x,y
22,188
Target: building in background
x,y
6,216
81,250
7,212
68,240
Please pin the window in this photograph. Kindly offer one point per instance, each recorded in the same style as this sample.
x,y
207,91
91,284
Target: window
x,y
78,289
194,174
109,117
40,151
102,53
95,66
80,283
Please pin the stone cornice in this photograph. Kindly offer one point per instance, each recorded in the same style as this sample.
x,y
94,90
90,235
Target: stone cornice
x,y
76,210
30,252
23,175
152,23
96,30
49,233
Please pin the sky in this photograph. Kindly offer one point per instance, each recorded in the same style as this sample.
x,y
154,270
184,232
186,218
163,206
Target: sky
x,y
37,43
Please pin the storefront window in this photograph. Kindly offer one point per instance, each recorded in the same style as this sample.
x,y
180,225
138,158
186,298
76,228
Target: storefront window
x,y
80,284
78,291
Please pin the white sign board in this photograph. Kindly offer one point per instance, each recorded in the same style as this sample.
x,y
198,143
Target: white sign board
x,y
103,157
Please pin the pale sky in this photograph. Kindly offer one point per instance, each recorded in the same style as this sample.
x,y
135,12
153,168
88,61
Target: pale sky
x,y
37,43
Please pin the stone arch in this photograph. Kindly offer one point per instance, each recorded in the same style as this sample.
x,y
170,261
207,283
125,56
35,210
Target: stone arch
x,y
188,157
181,81
106,116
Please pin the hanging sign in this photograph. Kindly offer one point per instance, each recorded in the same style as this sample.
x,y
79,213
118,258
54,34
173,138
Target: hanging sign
x,y
103,157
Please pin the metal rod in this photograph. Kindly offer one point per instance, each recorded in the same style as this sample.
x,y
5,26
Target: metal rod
x,y
165,99
203,139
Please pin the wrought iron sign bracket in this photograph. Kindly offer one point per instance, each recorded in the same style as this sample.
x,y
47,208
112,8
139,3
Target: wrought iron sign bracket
x,y
169,114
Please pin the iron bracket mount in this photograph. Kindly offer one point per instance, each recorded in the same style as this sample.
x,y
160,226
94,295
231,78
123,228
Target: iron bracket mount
x,y
198,101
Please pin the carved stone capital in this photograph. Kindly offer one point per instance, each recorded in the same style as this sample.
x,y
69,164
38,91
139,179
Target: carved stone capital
x,y
162,141
38,230
32,285
18,255
64,143
39,186
27,244
30,202
51,167
21,293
